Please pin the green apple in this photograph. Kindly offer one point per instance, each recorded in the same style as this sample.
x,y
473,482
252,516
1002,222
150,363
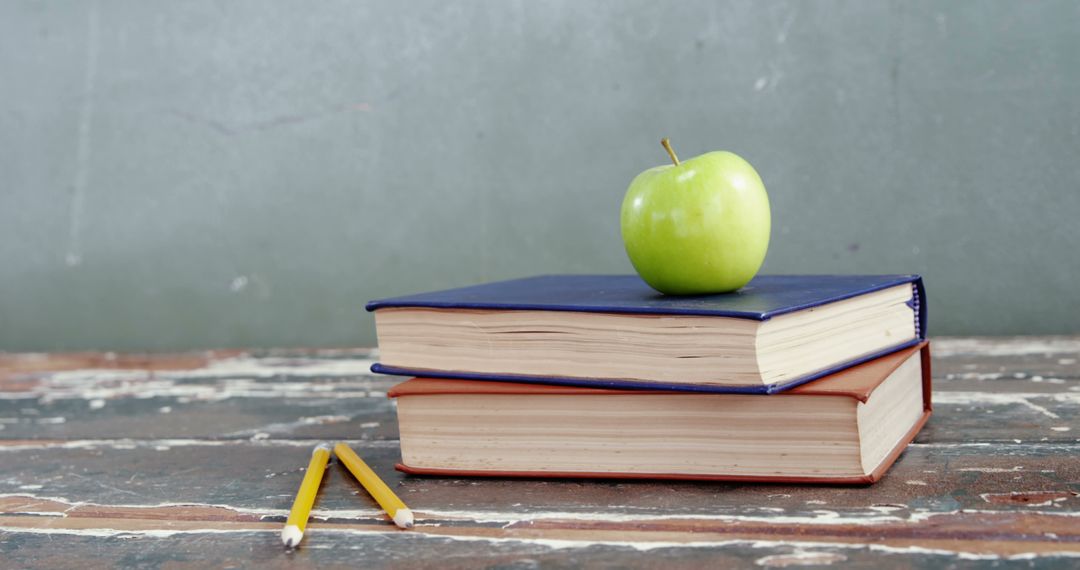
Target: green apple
x,y
697,226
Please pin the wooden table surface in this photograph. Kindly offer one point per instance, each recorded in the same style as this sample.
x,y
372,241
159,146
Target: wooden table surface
x,y
192,461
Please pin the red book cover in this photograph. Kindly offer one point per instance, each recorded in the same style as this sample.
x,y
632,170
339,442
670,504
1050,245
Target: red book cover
x,y
858,382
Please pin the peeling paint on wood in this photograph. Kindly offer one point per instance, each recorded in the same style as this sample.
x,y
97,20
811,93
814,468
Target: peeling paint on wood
x,y
100,449
960,532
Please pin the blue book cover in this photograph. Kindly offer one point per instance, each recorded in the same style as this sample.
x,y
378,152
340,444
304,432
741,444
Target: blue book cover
x,y
765,297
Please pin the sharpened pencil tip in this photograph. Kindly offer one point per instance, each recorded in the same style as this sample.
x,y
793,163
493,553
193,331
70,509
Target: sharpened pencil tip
x,y
291,536
403,518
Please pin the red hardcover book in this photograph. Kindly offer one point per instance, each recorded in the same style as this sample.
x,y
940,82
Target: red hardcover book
x,y
848,427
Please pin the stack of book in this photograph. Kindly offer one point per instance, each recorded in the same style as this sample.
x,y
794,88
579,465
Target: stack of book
x,y
821,378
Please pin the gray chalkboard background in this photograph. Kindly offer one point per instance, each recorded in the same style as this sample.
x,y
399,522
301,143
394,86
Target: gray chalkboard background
x,y
193,174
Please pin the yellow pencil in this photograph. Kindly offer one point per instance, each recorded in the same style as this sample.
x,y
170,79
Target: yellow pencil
x,y
379,491
305,497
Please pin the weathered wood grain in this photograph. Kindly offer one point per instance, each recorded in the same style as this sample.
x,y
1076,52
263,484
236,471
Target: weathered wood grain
x,y
348,550
264,474
229,397
964,531
282,395
192,460
1001,416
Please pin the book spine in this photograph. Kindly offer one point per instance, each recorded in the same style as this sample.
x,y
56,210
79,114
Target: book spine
x,y
918,305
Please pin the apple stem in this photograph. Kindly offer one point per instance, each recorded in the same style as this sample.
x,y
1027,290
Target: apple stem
x,y
671,153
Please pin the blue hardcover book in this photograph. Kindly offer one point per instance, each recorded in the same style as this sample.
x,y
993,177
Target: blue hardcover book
x,y
614,331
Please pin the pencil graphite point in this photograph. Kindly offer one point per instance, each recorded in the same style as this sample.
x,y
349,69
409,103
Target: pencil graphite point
x,y
403,518
291,536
